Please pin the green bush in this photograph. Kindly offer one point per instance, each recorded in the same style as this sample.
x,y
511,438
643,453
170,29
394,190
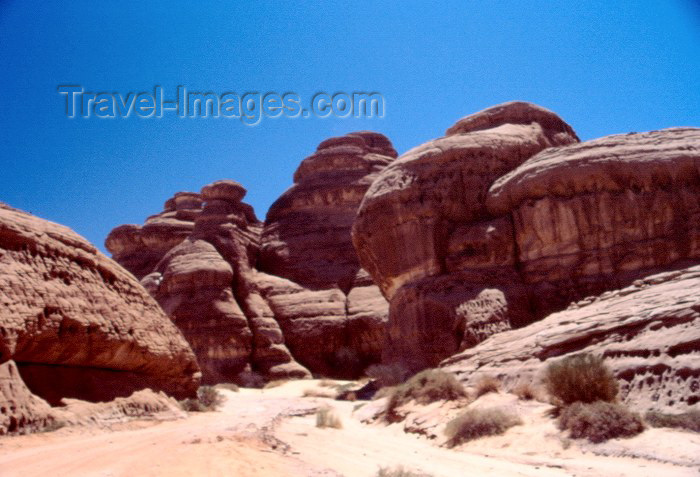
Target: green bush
x,y
208,399
425,387
599,421
689,421
399,472
581,377
477,423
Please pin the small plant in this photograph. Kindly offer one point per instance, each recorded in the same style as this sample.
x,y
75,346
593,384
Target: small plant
x,y
399,472
525,391
425,387
477,423
388,375
326,417
487,384
599,421
690,421
581,377
208,399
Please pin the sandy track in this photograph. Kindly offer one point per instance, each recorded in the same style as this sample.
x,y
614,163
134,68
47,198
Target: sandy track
x,y
273,433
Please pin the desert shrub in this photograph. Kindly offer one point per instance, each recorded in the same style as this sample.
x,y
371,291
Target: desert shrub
x,y
388,375
599,421
399,472
208,399
581,377
326,417
229,386
328,383
487,384
525,391
689,421
425,387
477,423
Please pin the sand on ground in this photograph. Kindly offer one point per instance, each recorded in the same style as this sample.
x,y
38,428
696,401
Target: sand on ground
x,y
272,432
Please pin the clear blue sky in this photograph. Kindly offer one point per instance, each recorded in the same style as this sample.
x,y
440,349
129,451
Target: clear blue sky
x,y
605,67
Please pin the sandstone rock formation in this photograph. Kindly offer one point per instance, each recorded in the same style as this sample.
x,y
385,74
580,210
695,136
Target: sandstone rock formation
x,y
648,333
246,295
20,411
332,315
508,218
425,235
196,258
77,324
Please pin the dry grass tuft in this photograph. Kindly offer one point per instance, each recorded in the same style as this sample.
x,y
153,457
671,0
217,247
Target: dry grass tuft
x,y
487,384
208,399
599,421
581,377
326,417
425,387
477,423
690,421
526,391
399,472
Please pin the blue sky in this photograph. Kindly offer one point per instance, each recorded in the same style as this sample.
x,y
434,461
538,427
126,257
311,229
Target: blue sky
x,y
605,67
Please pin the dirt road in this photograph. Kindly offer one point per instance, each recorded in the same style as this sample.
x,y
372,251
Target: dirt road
x,y
272,433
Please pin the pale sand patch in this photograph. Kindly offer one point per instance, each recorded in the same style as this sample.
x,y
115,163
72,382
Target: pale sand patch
x,y
272,432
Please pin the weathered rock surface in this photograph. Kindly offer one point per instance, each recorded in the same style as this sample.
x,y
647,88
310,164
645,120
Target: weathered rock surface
x,y
205,281
508,218
648,333
425,234
77,324
20,411
595,216
274,296
332,315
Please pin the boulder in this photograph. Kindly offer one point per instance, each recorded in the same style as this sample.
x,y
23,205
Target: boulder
x,y
79,325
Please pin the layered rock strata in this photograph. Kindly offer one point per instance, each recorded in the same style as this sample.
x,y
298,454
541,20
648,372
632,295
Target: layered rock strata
x,y
648,333
508,218
79,325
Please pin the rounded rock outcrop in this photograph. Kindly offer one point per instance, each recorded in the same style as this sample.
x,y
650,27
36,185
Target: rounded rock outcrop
x,y
77,324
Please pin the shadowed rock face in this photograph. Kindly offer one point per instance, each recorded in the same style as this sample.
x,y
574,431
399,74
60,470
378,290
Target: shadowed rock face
x,y
268,296
77,324
648,333
508,218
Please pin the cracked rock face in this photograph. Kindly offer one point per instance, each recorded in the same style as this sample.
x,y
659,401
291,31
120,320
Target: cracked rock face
x,y
281,298
509,218
648,333
79,325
